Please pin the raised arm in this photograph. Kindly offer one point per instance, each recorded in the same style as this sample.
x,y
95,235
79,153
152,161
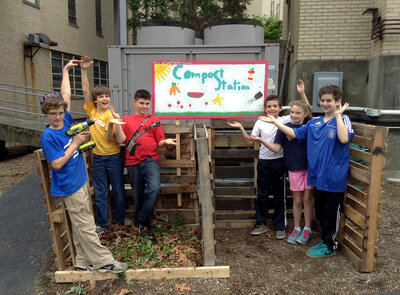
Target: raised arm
x,y
65,84
285,129
301,90
343,133
249,140
85,64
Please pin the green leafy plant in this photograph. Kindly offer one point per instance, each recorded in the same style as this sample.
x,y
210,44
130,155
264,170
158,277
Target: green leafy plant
x,y
76,289
272,26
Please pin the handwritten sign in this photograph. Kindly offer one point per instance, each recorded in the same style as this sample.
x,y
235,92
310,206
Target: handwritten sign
x,y
209,89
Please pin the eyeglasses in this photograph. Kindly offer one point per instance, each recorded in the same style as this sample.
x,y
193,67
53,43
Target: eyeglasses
x,y
49,95
53,114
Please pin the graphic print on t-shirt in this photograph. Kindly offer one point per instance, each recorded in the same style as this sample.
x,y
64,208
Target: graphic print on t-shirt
x,y
136,135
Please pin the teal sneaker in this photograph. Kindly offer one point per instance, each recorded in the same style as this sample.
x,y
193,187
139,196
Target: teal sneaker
x,y
293,236
317,246
321,252
303,237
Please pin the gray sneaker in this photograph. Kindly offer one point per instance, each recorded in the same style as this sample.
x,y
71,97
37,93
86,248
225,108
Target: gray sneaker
x,y
114,267
100,229
83,267
259,229
280,234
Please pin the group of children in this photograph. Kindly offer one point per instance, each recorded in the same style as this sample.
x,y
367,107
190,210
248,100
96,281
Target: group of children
x,y
316,153
142,134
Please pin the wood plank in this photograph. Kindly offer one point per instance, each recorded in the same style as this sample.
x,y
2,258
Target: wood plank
x,y
177,163
178,179
354,234
356,204
234,184
234,172
362,141
350,255
359,165
360,175
234,153
177,129
364,130
221,123
354,216
361,155
234,140
68,276
353,247
356,192
374,194
167,190
205,198
234,191
227,224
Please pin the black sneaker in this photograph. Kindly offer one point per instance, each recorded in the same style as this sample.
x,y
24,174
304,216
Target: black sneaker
x,y
144,230
114,267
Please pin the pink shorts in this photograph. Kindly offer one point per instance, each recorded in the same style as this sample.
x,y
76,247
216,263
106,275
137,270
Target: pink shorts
x,y
298,181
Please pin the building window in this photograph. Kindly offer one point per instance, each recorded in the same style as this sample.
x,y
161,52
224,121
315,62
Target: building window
x,y
272,8
34,3
58,61
72,13
99,30
100,73
278,10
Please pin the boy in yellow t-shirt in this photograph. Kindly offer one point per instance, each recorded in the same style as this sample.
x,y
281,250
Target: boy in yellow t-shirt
x,y
107,161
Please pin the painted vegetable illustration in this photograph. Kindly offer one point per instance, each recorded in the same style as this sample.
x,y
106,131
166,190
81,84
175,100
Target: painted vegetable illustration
x,y
251,73
174,89
195,94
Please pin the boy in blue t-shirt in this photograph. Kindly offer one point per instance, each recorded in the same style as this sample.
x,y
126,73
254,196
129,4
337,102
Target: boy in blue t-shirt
x,y
328,151
69,180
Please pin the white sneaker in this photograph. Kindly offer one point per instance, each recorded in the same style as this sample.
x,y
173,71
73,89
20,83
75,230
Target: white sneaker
x,y
280,234
114,267
259,229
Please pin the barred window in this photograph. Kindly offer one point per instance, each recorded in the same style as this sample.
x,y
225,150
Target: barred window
x,y
58,61
100,73
72,13
99,29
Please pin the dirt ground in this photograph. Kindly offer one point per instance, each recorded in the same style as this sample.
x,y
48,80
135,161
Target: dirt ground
x,y
258,265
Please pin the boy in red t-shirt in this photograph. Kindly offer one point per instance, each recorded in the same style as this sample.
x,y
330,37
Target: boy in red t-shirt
x,y
142,134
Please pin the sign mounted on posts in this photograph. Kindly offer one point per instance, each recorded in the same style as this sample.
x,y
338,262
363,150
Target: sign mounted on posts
x,y
209,89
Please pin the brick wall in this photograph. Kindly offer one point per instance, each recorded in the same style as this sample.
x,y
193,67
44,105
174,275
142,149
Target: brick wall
x,y
18,19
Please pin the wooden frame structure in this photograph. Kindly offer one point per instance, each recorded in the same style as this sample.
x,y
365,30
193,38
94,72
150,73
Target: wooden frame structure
x,y
179,199
360,217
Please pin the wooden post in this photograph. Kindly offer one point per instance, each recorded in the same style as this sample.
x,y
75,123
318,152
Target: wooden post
x,y
205,196
178,157
374,192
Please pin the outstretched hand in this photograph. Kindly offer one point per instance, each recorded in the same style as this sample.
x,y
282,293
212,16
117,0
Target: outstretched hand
x,y
341,109
235,124
72,63
85,62
267,119
115,114
300,87
170,141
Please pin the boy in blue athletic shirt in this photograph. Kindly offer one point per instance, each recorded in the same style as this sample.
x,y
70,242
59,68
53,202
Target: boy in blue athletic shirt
x,y
69,180
328,151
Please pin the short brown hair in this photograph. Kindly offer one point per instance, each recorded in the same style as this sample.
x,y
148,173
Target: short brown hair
x,y
142,93
52,101
100,90
335,90
273,97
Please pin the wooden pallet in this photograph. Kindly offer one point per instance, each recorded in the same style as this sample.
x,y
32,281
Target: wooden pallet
x,y
360,218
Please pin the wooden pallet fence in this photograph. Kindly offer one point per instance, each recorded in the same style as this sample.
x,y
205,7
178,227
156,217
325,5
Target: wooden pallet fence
x,y
360,218
178,199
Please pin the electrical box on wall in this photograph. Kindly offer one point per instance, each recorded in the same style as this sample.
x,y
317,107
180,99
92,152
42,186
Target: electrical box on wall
x,y
322,79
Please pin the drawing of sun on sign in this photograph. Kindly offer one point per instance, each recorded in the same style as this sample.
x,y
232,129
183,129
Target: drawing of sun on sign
x,y
209,89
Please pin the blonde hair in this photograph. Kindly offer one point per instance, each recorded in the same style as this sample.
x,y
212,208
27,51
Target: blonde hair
x,y
306,108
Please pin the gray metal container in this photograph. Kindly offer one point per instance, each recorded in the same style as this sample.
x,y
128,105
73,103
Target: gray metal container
x,y
165,33
234,32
